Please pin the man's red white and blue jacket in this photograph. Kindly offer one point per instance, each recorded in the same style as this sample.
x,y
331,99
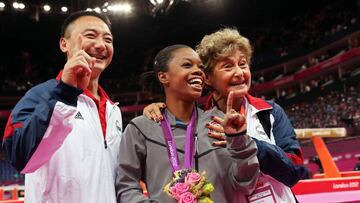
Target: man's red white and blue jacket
x,y
66,142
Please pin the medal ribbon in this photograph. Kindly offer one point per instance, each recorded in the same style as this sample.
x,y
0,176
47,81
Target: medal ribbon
x,y
171,145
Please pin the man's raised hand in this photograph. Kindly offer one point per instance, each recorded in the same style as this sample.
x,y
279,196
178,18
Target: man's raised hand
x,y
78,68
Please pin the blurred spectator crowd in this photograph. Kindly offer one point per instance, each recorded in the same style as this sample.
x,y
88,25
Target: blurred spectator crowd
x,y
130,81
273,43
303,33
337,108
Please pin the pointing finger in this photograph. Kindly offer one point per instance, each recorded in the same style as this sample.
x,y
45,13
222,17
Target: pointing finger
x,y
229,102
78,44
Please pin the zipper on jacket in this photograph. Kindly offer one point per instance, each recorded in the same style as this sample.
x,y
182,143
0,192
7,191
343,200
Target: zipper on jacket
x,y
105,143
196,153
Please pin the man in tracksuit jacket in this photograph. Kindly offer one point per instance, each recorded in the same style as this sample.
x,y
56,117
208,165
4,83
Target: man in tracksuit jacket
x,y
64,134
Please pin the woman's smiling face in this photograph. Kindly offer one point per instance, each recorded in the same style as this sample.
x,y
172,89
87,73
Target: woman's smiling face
x,y
230,73
184,74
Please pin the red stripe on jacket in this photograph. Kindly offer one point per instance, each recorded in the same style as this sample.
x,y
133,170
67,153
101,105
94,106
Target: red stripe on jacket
x,y
296,159
10,127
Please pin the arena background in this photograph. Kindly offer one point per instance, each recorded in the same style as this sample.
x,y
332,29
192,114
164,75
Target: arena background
x,y
307,57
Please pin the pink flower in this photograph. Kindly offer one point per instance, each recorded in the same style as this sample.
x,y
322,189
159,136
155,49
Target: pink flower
x,y
187,197
178,189
192,178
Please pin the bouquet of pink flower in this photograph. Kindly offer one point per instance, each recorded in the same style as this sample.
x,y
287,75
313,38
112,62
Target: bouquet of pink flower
x,y
189,186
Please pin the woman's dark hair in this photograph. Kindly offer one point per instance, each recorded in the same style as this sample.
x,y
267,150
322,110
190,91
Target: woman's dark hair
x,y
161,63
163,57
76,15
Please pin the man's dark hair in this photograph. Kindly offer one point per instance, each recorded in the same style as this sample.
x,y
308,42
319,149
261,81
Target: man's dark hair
x,y
74,16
